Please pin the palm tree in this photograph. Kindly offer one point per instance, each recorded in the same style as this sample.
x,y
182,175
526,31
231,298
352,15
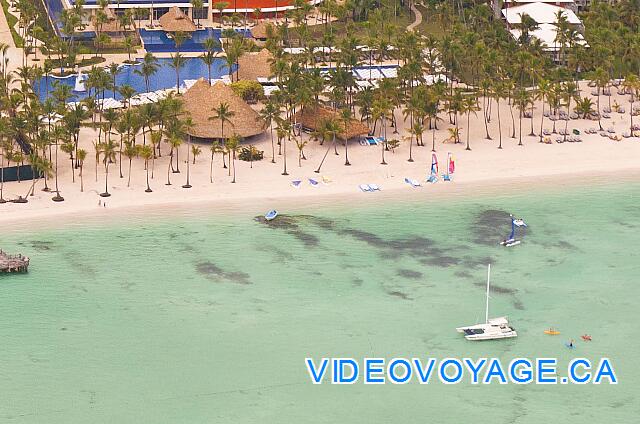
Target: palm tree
x,y
600,78
108,150
569,93
197,5
215,147
148,68
300,144
130,151
469,105
268,114
177,62
186,125
330,128
81,155
284,126
232,144
522,99
345,118
223,113
631,85
211,45
146,153
543,91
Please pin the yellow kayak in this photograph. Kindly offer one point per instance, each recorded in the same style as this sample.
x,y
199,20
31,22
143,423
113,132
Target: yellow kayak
x,y
551,332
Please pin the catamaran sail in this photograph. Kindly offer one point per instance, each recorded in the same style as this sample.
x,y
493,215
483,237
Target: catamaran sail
x,y
451,168
433,177
511,241
493,328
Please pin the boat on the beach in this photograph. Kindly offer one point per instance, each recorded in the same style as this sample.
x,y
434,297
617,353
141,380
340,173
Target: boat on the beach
x,y
271,215
492,328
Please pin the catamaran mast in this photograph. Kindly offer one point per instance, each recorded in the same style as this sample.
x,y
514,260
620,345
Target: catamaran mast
x,y
486,315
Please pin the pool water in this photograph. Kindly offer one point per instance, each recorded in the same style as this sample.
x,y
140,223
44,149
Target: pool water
x,y
165,77
159,42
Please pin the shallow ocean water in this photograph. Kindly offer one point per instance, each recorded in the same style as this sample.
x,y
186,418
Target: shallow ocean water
x,y
208,317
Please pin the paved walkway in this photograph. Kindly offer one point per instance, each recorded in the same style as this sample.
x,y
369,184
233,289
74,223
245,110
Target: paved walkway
x,y
5,33
418,15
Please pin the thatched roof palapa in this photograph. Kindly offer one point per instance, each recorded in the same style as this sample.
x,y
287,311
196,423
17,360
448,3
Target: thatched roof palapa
x,y
176,21
252,66
199,102
111,25
259,32
313,117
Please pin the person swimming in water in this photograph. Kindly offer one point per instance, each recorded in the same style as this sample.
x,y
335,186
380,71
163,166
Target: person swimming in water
x,y
571,344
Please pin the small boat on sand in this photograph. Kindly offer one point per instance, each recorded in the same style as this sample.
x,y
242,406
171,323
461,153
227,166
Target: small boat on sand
x,y
271,215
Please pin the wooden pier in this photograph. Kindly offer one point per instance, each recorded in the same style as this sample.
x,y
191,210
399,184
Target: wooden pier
x,y
13,263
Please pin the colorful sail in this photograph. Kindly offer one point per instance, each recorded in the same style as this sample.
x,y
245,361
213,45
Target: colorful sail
x,y
434,164
452,164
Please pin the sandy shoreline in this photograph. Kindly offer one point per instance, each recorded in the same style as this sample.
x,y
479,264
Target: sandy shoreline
x,y
260,186
155,208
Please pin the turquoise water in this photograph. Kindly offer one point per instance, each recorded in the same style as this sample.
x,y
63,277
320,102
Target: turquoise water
x,y
208,318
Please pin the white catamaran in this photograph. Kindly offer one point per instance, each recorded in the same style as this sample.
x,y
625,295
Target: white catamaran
x,y
494,328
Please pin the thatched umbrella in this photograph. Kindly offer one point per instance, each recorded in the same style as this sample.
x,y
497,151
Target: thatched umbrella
x,y
259,32
254,65
201,98
176,21
313,117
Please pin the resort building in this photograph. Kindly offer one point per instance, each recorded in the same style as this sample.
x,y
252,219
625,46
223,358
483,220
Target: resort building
x,y
546,16
199,101
208,13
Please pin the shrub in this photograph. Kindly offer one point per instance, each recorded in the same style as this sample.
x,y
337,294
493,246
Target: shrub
x,y
250,91
250,154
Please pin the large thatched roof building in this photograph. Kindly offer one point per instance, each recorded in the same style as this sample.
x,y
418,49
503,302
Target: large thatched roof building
x,y
312,118
252,66
202,98
175,20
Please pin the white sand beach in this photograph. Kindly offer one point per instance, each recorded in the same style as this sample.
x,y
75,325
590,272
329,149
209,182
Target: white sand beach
x,y
261,186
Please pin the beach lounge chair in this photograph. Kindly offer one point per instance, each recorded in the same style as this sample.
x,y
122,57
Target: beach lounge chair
x,y
326,180
546,132
610,130
574,116
626,134
365,187
374,187
413,183
363,143
313,182
603,134
547,140
606,109
576,131
296,183
606,115
559,140
621,110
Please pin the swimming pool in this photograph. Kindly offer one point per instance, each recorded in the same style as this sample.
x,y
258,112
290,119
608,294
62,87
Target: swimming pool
x,y
193,68
159,42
